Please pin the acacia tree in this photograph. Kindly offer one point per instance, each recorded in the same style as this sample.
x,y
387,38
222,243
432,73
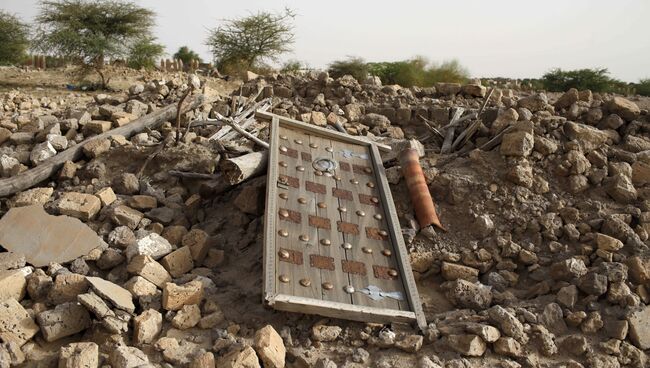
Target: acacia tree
x,y
90,32
184,53
14,39
252,39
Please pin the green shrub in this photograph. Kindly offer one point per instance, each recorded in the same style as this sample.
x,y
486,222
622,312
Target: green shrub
x,y
643,87
418,72
353,66
596,80
14,39
144,53
293,66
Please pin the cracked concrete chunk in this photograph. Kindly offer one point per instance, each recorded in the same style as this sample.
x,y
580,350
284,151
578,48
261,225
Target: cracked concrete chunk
x,y
15,323
64,320
117,295
46,239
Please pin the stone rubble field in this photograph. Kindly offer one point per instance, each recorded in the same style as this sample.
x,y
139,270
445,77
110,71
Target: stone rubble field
x,y
545,261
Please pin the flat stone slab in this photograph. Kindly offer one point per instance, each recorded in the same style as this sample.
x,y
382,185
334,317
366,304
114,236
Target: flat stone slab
x,y
117,295
44,238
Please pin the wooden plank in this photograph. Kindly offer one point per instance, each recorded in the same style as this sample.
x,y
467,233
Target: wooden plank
x,y
361,313
329,210
363,216
326,133
401,253
270,221
303,280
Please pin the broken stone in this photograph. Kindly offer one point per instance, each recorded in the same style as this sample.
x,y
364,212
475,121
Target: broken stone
x,y
639,328
152,245
96,147
269,347
126,216
66,287
149,269
106,196
197,241
117,295
588,137
13,283
176,296
325,333
453,271
15,323
623,107
187,317
32,197
518,143
147,326
126,183
508,323
80,205
41,152
245,358
608,243
64,320
128,357
467,345
79,355
45,239
178,262
465,294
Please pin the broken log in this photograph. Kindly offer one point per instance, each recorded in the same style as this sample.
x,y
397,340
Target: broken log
x,y
238,169
31,177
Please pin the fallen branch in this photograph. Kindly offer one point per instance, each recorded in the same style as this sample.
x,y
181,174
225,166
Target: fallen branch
x,y
193,175
449,137
178,115
241,131
237,169
31,177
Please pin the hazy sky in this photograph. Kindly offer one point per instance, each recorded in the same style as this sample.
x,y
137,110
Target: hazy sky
x,y
506,38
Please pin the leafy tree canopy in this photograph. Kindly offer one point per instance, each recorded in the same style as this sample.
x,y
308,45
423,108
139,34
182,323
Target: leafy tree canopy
x,y
184,53
144,53
90,32
253,39
14,39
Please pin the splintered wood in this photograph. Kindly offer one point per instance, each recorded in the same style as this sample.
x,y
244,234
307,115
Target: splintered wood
x,y
333,246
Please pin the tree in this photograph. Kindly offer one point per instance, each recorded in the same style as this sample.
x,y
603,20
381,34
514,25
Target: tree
x,y
184,53
14,39
144,52
596,80
354,66
91,32
250,40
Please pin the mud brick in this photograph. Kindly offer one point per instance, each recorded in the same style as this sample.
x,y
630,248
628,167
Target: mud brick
x,y
359,169
289,180
367,199
290,152
295,256
382,272
375,233
320,222
293,216
344,166
342,194
354,267
306,156
348,228
321,262
315,187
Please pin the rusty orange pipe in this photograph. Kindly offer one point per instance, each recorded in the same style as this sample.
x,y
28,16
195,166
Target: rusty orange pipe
x,y
425,209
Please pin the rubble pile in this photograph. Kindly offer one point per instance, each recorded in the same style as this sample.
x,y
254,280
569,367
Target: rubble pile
x,y
544,263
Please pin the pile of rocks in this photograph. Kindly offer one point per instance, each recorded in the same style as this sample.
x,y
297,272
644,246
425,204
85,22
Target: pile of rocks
x,y
545,262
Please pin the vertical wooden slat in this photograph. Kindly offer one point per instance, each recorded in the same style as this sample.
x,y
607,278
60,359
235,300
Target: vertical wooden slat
x,y
401,253
269,224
